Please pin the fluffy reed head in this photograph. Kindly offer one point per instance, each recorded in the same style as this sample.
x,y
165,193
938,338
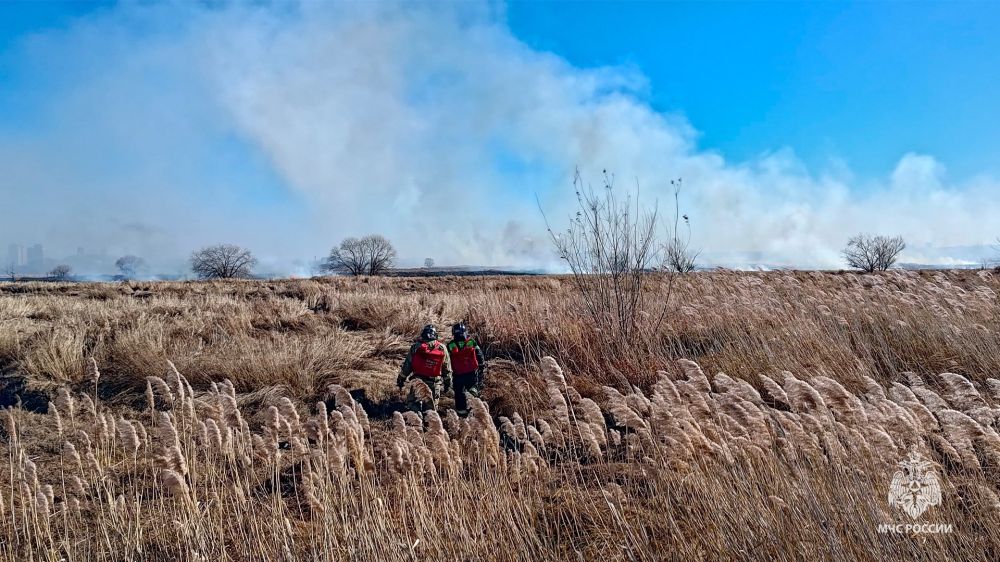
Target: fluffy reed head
x,y
93,373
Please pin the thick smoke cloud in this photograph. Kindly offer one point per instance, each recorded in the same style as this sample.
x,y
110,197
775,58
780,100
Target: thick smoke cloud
x,y
286,127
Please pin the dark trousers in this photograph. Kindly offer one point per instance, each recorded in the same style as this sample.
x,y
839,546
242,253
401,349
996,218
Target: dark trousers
x,y
465,383
417,401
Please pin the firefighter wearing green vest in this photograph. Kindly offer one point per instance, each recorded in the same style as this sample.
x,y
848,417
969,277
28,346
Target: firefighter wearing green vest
x,y
428,362
468,364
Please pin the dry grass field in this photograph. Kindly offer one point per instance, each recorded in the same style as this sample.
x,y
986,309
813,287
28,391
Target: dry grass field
x,y
258,420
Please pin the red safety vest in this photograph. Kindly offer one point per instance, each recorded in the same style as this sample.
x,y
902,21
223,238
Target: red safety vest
x,y
428,359
463,357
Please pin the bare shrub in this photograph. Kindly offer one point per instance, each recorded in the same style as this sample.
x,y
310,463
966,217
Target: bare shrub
x,y
610,247
873,253
370,255
223,261
61,272
678,256
129,265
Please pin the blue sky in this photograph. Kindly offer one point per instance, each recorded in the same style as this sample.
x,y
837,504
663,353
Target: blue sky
x,y
285,126
865,82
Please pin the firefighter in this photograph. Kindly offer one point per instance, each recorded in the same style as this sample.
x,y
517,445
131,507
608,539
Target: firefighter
x,y
468,364
429,363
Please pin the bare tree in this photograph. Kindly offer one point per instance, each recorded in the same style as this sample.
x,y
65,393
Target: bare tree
x,y
370,255
993,264
223,261
381,254
873,253
610,246
11,271
129,265
60,272
346,258
678,256
428,262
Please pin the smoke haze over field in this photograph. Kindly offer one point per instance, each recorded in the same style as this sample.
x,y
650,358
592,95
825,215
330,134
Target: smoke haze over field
x,y
163,128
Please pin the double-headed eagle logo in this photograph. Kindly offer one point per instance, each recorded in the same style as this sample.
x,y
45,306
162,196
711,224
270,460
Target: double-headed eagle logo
x,y
914,487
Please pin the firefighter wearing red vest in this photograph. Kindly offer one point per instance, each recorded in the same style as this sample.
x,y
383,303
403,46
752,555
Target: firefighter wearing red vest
x,y
427,361
469,365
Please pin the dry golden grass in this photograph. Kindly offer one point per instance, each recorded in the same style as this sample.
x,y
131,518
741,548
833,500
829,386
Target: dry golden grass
x,y
254,420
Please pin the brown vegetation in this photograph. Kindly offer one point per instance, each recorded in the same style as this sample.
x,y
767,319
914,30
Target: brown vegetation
x,y
243,420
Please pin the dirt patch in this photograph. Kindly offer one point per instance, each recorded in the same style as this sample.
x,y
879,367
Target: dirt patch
x,y
14,392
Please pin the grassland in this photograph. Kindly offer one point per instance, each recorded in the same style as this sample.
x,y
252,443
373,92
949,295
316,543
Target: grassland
x,y
252,420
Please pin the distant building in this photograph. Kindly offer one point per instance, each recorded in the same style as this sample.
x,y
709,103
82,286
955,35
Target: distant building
x,y
35,256
16,255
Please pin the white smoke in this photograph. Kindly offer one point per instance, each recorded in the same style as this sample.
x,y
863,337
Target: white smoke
x,y
431,124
